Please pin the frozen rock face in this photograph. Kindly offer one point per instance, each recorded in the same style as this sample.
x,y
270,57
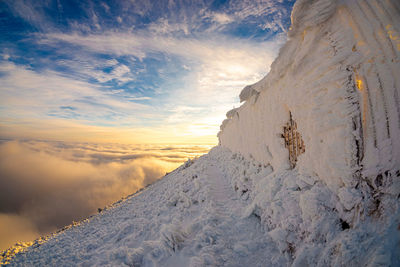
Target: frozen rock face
x,y
339,77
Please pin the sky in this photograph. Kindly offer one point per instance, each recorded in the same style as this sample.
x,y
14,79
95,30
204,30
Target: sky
x,y
100,98
131,71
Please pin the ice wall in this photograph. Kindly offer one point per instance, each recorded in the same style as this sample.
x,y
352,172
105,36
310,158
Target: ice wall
x,y
339,77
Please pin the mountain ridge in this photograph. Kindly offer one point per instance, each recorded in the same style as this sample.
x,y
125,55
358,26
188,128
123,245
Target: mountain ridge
x,y
224,210
306,172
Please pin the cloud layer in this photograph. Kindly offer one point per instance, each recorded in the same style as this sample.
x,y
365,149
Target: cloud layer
x,y
46,185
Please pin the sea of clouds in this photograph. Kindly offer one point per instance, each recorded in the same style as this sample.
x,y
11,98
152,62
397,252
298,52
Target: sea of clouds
x,y
47,185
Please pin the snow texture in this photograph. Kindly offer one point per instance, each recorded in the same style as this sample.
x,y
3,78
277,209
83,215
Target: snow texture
x,y
242,204
339,76
223,210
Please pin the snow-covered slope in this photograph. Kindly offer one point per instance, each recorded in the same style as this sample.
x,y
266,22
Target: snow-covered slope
x,y
245,203
222,210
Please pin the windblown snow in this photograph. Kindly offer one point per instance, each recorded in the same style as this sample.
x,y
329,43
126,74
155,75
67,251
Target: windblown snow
x,y
330,104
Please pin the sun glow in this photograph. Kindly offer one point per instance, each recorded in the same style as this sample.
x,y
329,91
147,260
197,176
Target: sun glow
x,y
359,84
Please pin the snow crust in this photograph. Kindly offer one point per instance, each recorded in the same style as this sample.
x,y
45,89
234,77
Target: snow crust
x,y
339,76
223,210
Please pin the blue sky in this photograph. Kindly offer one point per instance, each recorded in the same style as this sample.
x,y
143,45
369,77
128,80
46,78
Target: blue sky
x,y
131,71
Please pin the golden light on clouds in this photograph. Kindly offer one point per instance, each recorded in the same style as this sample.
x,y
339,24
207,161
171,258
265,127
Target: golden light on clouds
x,y
65,181
67,130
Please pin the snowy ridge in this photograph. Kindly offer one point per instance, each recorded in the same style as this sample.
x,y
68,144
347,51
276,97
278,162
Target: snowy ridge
x,y
192,217
223,210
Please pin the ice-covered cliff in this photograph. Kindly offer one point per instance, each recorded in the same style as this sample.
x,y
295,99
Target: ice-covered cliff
x,y
338,77
306,174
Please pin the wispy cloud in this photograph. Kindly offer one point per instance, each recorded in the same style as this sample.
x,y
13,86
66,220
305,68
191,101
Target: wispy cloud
x,y
26,93
140,45
221,18
217,68
33,14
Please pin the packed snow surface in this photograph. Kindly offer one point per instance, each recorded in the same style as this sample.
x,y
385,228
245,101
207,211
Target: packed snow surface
x,y
222,210
244,203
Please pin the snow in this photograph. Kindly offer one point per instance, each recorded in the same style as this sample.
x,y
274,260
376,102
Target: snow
x,y
223,210
243,204
339,76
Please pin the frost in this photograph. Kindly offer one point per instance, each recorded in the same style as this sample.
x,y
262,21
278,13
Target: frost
x,y
349,197
242,208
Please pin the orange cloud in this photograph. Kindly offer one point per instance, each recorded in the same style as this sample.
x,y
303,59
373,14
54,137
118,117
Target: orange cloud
x,y
76,131
14,228
46,185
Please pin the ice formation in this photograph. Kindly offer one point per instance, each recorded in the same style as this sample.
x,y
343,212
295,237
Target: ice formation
x,y
339,76
245,203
